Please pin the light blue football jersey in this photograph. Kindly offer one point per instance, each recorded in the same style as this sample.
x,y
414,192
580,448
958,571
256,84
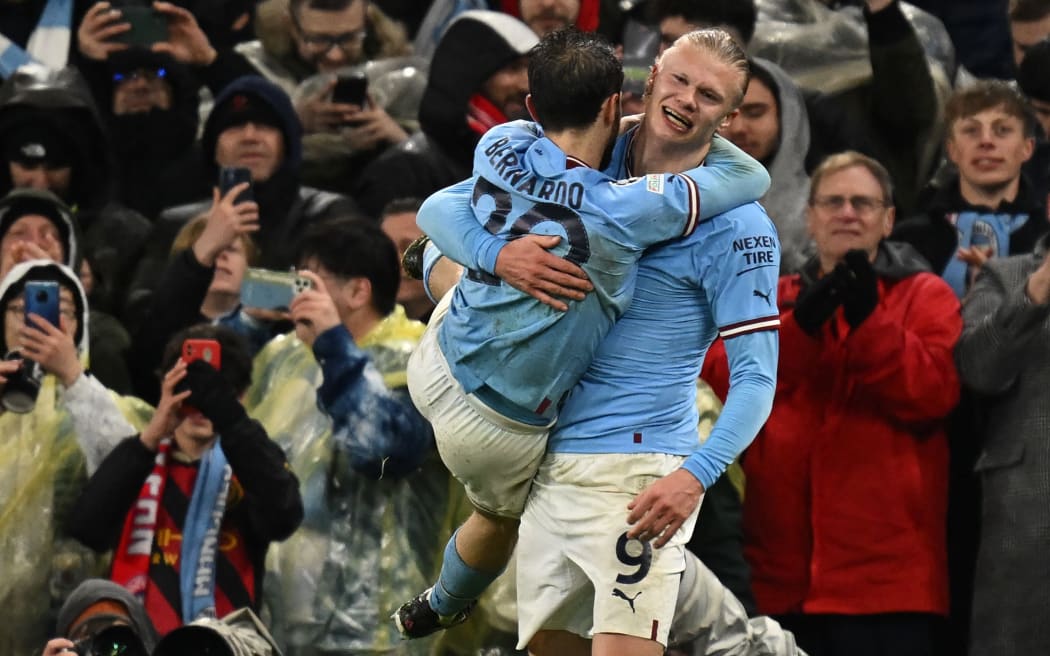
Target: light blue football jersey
x,y
639,393
504,345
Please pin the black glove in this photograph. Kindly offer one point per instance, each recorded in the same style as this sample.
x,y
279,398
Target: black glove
x,y
412,259
862,292
211,395
818,302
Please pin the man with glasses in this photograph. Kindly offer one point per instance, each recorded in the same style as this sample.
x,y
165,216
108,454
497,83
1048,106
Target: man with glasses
x,y
847,484
321,37
333,37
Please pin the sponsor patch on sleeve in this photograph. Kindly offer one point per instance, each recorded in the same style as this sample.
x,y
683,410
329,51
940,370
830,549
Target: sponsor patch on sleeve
x,y
654,182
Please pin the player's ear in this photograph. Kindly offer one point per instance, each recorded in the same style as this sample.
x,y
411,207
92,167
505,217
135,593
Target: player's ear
x,y
532,108
727,120
611,109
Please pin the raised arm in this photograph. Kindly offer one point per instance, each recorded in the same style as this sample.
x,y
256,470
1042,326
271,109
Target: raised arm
x,y
448,219
1001,317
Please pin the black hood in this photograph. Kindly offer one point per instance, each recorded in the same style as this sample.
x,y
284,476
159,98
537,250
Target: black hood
x,y
159,133
60,101
278,103
474,46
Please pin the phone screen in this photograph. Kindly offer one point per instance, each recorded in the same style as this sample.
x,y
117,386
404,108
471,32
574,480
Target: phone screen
x,y
351,90
41,298
147,27
231,176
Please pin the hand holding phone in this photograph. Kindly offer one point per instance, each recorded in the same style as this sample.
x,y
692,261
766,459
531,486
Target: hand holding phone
x,y
314,311
351,89
208,350
272,290
210,392
147,26
41,298
230,177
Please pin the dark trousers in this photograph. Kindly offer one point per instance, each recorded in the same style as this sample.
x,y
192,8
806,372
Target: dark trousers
x,y
889,634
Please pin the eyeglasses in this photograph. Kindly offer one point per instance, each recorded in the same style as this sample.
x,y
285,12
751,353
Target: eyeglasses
x,y
149,75
348,42
19,309
862,204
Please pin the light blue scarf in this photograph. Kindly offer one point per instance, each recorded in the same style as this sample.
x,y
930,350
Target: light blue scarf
x,y
200,535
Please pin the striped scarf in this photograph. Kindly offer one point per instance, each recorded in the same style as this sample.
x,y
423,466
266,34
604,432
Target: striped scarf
x,y
48,44
200,533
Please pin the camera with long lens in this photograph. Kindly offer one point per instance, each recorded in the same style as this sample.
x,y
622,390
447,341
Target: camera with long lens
x,y
19,393
116,640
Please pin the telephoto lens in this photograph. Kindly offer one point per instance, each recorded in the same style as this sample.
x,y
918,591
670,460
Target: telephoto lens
x,y
116,640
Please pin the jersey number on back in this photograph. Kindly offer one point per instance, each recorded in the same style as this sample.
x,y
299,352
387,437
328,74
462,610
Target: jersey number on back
x,y
575,233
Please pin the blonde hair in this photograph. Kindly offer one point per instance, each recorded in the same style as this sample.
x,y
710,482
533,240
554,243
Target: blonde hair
x,y
721,45
191,232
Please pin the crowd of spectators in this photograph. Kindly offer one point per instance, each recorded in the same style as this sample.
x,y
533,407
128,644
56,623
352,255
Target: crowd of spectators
x,y
895,502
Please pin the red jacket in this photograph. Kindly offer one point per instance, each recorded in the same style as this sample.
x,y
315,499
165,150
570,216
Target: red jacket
x,y
847,483
586,21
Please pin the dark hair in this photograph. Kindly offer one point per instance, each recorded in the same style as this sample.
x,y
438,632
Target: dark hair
x,y
988,94
737,14
1032,75
1027,11
760,73
401,206
571,73
355,248
236,365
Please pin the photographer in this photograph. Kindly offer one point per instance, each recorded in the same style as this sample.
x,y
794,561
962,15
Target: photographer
x,y
335,396
209,474
69,422
253,126
36,224
100,612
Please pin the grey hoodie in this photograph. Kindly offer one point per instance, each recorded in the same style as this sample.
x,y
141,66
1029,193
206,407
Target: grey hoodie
x,y
93,591
786,200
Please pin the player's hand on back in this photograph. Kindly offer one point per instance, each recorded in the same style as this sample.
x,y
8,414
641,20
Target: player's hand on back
x,y
527,265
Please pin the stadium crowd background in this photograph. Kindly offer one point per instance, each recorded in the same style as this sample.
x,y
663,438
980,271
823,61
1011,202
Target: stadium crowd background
x,y
112,142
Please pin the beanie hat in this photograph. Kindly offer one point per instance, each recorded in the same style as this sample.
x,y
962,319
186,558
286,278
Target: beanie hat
x,y
36,140
254,99
23,202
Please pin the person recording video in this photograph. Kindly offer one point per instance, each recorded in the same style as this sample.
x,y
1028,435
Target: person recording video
x,y
56,421
201,469
101,618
